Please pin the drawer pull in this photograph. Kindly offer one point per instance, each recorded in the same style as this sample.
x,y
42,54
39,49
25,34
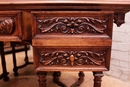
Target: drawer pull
x,y
72,59
6,26
72,25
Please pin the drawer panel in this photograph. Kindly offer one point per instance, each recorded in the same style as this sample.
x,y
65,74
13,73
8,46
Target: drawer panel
x,y
89,23
66,40
72,58
10,26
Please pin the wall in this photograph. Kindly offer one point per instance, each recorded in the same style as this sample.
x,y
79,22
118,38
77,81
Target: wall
x,y
120,56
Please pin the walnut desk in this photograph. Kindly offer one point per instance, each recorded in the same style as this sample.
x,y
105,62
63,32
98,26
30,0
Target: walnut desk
x,y
66,35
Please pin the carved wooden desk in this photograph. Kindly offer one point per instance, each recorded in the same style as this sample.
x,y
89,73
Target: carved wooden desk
x,y
66,35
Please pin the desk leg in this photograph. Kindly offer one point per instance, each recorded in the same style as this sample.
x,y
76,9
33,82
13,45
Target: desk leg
x,y
4,75
42,78
97,78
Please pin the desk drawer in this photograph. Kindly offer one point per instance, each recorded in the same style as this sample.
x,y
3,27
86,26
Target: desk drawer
x,y
10,26
89,23
71,58
72,40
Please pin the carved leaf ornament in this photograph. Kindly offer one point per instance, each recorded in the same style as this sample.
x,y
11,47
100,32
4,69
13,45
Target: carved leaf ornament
x,y
72,25
6,26
71,58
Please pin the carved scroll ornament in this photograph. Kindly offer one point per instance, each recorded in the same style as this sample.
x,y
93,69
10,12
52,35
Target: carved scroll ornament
x,y
72,25
71,58
6,26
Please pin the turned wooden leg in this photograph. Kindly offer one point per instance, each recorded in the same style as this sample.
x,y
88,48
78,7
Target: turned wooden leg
x,y
15,69
26,59
97,78
4,75
42,78
26,54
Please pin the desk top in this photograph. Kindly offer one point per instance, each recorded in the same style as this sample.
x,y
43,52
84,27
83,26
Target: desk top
x,y
65,1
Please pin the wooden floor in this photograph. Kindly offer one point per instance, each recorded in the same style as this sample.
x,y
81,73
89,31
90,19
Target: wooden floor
x,y
28,78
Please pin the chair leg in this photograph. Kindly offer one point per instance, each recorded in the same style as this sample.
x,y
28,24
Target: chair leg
x,y
26,56
15,69
4,75
26,59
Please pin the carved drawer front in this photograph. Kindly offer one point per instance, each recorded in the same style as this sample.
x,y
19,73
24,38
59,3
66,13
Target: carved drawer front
x,y
74,58
72,28
72,22
10,25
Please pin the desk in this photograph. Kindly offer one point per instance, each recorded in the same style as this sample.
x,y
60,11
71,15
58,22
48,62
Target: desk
x,y
66,35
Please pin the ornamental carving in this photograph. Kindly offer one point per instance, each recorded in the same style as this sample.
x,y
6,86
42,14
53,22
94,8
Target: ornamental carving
x,y
72,25
6,26
72,58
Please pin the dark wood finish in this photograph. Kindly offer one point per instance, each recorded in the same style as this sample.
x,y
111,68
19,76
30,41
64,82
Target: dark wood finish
x,y
71,35
18,48
7,48
4,75
15,69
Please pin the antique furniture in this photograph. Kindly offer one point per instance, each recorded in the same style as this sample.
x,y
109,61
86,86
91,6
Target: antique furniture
x,y
4,75
66,35
13,48
16,47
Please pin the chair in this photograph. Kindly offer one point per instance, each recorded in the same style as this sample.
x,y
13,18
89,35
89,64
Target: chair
x,y
26,48
4,74
13,47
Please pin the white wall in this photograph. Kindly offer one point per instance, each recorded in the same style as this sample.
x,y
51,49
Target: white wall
x,y
120,56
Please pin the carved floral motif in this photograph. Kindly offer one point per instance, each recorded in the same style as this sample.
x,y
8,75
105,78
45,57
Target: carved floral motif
x,y
72,25
72,58
6,26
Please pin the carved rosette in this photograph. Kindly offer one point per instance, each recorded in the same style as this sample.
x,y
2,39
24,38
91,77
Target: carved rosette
x,y
72,58
6,26
72,25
